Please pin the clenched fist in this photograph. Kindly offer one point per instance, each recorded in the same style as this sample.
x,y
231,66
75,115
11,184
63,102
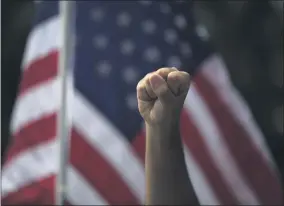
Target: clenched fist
x,y
161,95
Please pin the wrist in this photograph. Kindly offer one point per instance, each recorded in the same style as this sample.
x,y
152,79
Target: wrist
x,y
165,127
163,137
163,130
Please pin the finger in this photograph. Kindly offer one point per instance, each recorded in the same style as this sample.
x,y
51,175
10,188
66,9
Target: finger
x,y
164,72
179,82
149,89
142,92
161,89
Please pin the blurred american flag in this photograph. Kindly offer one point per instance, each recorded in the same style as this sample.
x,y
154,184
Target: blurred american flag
x,y
117,43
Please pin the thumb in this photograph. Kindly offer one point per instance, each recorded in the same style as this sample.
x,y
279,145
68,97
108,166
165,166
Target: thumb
x,y
161,89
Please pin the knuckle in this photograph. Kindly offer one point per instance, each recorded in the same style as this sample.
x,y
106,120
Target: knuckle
x,y
147,76
185,75
164,69
164,72
140,85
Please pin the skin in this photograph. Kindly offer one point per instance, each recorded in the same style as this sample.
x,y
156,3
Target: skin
x,y
161,95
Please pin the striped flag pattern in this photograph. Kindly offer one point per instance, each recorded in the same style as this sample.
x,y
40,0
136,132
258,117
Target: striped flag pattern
x,y
117,43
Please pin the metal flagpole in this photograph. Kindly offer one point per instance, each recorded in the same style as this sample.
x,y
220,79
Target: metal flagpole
x,y
65,15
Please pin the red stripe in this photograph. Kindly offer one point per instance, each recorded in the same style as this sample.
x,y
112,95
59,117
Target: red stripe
x,y
249,159
42,69
38,193
139,145
99,173
31,135
195,143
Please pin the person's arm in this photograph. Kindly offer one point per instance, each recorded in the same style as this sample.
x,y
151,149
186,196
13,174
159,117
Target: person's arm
x,y
161,96
167,177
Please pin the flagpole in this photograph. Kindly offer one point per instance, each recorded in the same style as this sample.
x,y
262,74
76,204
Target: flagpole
x,y
65,14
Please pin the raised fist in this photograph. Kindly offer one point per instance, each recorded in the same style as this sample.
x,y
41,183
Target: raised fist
x,y
161,95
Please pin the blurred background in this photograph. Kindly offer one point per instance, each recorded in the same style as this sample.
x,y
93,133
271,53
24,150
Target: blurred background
x,y
249,36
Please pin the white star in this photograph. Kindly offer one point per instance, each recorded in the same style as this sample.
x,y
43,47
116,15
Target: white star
x,y
185,50
145,3
152,54
202,32
100,42
104,68
130,75
174,61
165,8
170,36
97,14
149,26
131,101
123,19
180,21
127,47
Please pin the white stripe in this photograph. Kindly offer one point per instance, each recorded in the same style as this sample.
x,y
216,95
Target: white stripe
x,y
217,147
36,103
216,73
29,166
80,192
107,140
44,38
39,163
40,101
202,188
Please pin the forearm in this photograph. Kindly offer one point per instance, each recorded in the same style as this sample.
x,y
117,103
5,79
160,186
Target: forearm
x,y
167,178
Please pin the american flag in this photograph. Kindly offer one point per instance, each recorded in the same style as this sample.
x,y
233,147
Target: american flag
x,y
117,43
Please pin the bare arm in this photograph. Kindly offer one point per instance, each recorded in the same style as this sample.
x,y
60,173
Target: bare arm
x,y
161,95
167,178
